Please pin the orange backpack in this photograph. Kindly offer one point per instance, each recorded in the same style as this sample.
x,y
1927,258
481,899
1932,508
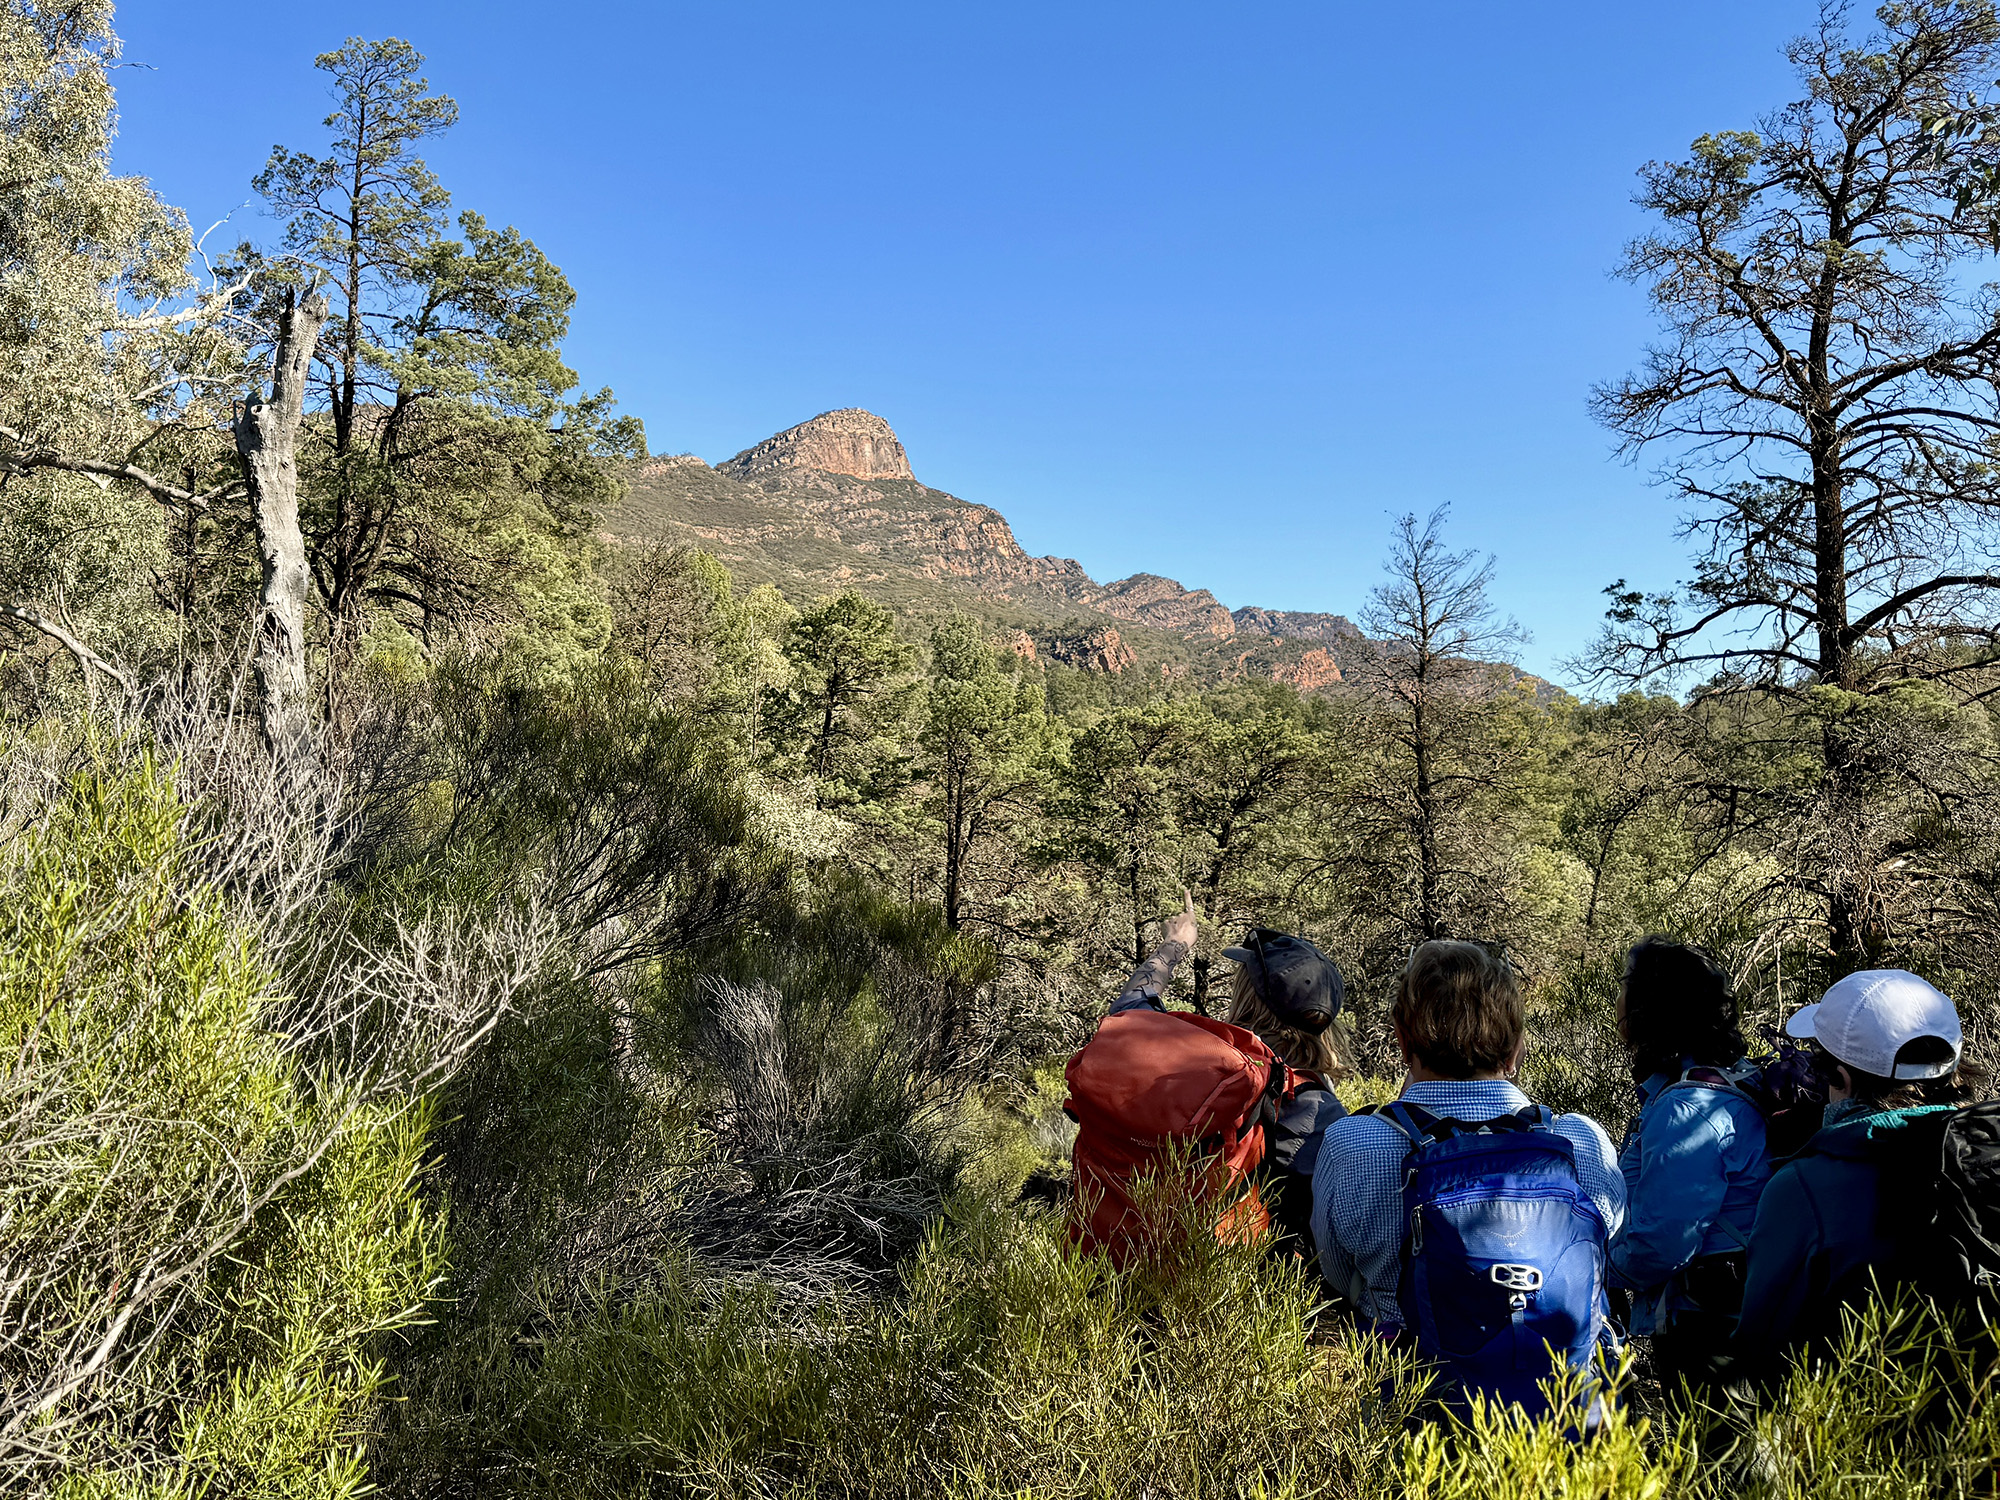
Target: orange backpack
x,y
1150,1081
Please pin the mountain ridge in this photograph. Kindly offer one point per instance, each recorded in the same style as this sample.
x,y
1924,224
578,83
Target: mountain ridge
x,y
832,502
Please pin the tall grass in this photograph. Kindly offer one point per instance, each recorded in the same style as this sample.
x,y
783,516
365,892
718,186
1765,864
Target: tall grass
x,y
1011,1365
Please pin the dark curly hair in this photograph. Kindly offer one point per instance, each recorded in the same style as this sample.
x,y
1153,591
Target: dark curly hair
x,y
1679,1004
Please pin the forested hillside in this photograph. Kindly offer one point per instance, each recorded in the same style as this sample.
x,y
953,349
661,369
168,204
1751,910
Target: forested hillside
x,y
536,968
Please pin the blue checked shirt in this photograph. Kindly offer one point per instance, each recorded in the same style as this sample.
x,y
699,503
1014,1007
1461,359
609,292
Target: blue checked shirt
x,y
1358,1185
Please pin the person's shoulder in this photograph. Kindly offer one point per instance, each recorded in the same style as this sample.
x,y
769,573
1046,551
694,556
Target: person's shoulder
x,y
1788,1208
1584,1131
1788,1177
1311,1111
1691,1105
1361,1131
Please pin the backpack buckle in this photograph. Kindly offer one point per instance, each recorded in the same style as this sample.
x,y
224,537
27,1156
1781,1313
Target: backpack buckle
x,y
1516,1278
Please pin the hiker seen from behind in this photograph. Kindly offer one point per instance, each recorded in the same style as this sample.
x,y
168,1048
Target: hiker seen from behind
x,y
1464,1219
1695,1160
1160,1094
1900,1185
1290,994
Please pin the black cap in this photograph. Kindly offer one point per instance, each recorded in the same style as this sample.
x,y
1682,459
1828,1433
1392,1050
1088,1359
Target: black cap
x,y
1294,978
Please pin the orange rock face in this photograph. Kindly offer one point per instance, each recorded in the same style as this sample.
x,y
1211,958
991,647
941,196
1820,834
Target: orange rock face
x,y
1098,650
1153,600
852,442
1315,670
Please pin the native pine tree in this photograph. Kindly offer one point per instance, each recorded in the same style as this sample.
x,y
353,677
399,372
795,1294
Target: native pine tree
x,y
1826,401
984,750
837,722
456,471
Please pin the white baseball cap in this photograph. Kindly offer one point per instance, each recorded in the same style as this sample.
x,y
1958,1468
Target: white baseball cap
x,y
1865,1019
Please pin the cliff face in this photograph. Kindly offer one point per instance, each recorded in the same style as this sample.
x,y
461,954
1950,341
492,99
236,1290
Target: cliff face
x,y
1292,624
1100,650
1312,673
851,441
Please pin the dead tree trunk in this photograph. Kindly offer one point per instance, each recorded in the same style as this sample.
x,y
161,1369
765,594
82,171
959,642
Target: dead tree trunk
x,y
267,437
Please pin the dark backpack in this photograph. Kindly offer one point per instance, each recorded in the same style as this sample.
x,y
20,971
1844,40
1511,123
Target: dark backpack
x,y
1284,1178
1503,1251
1782,1087
1941,1198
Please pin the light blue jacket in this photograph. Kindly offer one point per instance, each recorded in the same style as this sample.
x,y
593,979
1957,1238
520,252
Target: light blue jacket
x,y
1695,1164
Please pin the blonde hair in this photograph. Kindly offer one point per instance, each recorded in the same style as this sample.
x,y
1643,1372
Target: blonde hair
x,y
1321,1052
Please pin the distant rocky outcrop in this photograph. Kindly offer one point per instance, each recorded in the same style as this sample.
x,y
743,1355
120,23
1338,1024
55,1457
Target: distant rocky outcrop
x,y
832,503
1163,603
1313,672
1100,650
850,441
1294,624
669,463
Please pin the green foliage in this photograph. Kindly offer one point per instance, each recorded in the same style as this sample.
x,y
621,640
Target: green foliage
x,y
838,720
80,240
1008,1365
93,267
217,1238
984,748
723,1199
1114,813
627,818
701,647
1900,1409
455,477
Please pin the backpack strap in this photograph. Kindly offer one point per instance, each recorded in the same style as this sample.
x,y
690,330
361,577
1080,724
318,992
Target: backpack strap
x,y
1721,1080
1527,1117
1420,1127
1742,1239
1412,1122
1279,1086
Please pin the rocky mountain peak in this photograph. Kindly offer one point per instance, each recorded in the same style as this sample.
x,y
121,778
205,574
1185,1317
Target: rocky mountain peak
x,y
850,441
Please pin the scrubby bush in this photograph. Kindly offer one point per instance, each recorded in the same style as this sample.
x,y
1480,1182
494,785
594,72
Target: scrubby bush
x,y
1008,1363
205,1237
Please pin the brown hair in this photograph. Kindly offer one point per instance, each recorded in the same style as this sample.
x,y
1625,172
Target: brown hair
x,y
1316,1052
1961,1085
1459,1009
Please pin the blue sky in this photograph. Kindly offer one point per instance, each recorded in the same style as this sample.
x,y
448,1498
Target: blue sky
x,y
1204,290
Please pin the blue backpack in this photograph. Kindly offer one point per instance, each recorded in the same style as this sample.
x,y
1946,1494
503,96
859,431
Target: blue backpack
x,y
1503,1252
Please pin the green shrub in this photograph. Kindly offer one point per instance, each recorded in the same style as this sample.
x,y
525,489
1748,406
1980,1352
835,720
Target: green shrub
x,y
1012,1366
215,1237
1008,1364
